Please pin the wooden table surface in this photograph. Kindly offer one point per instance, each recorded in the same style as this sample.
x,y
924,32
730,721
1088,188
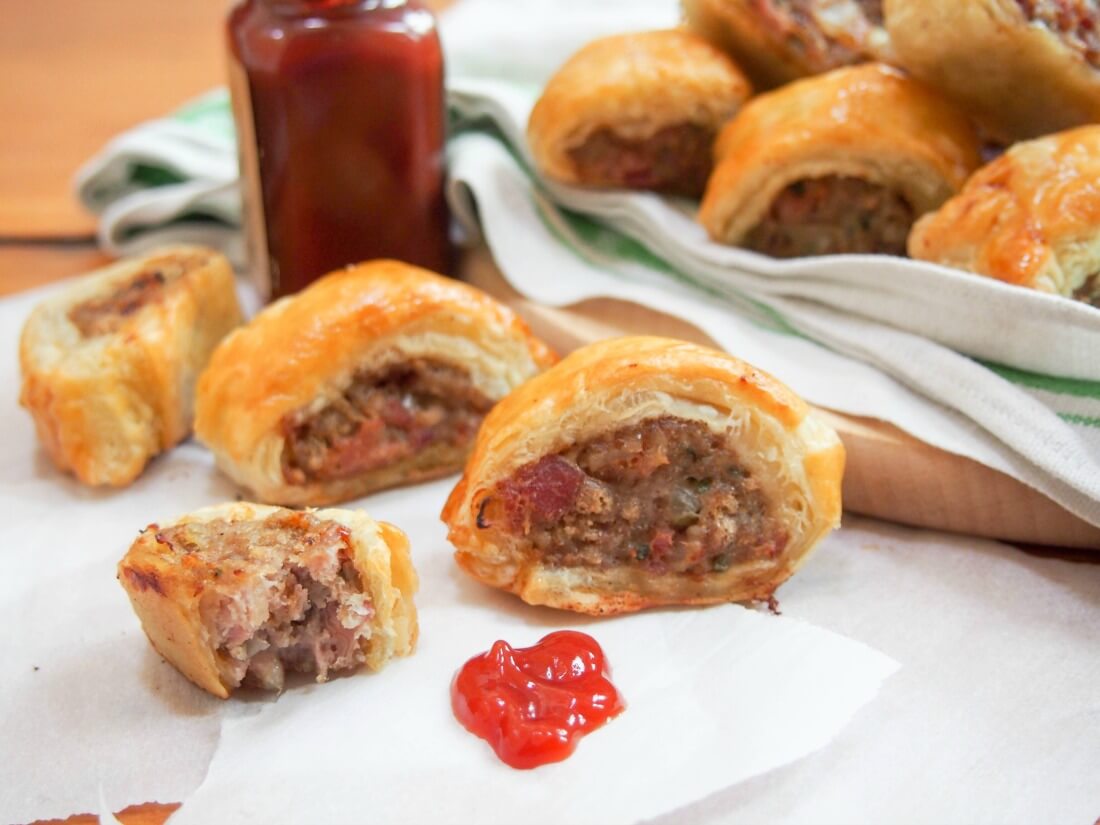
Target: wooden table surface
x,y
76,74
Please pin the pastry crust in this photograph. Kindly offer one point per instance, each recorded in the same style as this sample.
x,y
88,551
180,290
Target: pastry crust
x,y
771,42
109,365
634,86
1021,79
867,122
166,586
303,351
797,459
1031,217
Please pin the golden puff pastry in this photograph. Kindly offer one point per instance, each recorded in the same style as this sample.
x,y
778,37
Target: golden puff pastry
x,y
373,376
1031,217
782,40
1023,67
241,593
110,364
637,111
839,163
645,471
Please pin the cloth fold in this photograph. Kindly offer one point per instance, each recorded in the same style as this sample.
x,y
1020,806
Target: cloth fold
x,y
1003,375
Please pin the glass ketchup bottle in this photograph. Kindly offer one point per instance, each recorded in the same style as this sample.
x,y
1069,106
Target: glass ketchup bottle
x,y
341,125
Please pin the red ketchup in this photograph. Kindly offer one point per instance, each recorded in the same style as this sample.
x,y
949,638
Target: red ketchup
x,y
340,125
533,704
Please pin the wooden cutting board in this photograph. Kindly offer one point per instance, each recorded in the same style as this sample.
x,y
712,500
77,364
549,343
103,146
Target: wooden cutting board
x,y
889,475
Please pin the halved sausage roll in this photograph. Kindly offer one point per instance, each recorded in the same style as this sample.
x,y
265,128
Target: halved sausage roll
x,y
110,364
1023,67
636,111
782,40
841,162
1031,217
645,471
242,593
374,376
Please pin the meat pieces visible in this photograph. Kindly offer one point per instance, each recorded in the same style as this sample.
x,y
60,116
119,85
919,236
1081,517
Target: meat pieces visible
x,y
382,418
281,595
827,33
1075,22
833,215
666,495
106,314
675,160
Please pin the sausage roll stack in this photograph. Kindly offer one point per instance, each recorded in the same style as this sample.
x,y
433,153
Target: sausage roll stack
x,y
782,40
1031,217
242,594
1024,67
374,376
637,111
641,472
109,365
842,162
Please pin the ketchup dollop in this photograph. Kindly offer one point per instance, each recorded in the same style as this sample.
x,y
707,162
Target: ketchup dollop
x,y
534,704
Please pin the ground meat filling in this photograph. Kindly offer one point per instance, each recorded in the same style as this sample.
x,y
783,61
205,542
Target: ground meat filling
x,y
833,215
663,496
383,418
828,33
107,313
1075,22
676,160
281,595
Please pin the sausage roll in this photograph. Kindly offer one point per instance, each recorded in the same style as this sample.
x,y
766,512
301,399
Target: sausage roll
x,y
109,365
782,40
1031,217
1023,67
242,593
373,376
641,472
841,162
637,111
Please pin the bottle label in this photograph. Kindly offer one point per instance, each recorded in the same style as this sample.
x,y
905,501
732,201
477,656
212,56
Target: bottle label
x,y
259,261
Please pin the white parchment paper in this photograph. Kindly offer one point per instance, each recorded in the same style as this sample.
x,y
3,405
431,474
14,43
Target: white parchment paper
x,y
88,707
713,696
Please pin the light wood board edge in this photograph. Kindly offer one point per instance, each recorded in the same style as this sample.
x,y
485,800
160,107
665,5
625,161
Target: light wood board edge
x,y
890,475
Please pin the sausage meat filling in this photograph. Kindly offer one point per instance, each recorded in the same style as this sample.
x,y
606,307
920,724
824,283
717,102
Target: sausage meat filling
x,y
382,418
829,33
666,495
107,313
676,160
1075,22
280,595
833,215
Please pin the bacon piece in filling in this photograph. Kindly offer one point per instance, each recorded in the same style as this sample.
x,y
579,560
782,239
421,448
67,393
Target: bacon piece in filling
x,y
833,215
383,418
1075,22
665,496
282,595
676,160
106,314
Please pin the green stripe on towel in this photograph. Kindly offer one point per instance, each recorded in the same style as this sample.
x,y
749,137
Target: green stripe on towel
x,y
1048,383
600,246
1082,420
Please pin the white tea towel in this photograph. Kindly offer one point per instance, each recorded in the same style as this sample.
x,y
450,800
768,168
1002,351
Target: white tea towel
x,y
1006,376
